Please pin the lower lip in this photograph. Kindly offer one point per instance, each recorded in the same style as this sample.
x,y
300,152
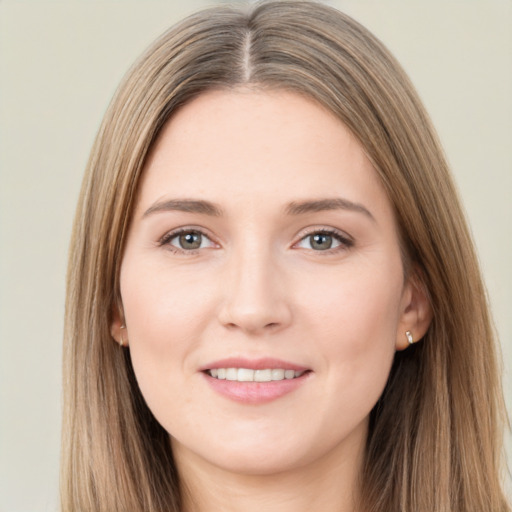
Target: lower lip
x,y
255,392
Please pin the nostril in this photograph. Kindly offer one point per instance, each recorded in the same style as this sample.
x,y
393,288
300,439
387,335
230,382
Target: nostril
x,y
254,313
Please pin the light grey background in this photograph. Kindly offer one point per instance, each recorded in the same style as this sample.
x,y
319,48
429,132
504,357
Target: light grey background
x,y
60,63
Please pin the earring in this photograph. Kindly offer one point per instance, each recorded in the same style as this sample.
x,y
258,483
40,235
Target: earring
x,y
121,341
409,337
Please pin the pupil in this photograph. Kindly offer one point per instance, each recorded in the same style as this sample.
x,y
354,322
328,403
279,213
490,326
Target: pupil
x,y
190,240
321,241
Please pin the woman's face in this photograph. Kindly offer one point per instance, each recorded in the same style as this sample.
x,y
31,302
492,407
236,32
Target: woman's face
x,y
262,284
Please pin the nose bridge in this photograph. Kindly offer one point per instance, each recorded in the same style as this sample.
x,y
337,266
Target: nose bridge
x,y
255,297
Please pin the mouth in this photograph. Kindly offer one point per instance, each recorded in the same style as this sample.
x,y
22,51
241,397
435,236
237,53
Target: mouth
x,y
255,381
250,375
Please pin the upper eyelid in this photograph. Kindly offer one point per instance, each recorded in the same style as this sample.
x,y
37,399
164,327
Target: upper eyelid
x,y
165,241
303,233
168,235
323,229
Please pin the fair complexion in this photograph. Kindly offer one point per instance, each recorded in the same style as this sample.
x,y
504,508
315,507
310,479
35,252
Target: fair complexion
x,y
262,240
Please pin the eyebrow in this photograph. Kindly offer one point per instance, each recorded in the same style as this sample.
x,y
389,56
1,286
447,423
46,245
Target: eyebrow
x,y
185,205
294,208
320,205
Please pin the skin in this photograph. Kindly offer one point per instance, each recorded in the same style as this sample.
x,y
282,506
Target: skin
x,y
259,287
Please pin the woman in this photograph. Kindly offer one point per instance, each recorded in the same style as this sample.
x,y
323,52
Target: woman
x,y
273,298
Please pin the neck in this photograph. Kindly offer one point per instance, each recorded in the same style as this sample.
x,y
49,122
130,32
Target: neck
x,y
329,484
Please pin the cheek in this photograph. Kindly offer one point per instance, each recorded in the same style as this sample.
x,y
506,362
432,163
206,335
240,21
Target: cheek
x,y
354,322
162,305
164,316
355,308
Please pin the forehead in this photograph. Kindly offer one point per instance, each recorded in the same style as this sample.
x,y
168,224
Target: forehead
x,y
273,146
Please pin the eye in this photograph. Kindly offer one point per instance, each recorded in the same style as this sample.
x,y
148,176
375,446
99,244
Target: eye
x,y
324,241
187,240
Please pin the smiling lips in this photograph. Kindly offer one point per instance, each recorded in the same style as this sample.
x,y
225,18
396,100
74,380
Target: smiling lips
x,y
254,382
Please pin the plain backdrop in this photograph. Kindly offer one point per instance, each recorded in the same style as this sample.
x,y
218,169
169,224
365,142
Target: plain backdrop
x,y
60,63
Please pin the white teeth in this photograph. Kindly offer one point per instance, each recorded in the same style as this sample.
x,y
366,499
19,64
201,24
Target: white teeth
x,y
231,374
263,375
278,374
248,375
245,375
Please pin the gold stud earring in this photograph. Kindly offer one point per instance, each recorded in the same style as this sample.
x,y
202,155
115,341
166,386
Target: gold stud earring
x,y
409,337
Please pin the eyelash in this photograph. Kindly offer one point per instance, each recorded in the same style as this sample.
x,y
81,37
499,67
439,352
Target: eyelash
x,y
168,237
345,242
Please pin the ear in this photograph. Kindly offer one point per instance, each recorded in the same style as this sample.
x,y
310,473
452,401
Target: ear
x,y
118,328
416,311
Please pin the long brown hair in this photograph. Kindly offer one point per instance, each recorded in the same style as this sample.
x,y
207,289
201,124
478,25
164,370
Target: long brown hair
x,y
435,435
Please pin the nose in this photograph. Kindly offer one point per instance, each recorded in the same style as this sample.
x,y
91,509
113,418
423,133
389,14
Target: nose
x,y
255,294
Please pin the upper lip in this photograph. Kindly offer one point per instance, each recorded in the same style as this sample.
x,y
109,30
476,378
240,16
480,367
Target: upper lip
x,y
253,364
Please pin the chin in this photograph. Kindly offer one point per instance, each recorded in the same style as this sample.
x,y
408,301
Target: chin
x,y
259,462
270,455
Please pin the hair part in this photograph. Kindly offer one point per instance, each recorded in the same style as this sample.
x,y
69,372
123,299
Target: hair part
x,y
435,434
